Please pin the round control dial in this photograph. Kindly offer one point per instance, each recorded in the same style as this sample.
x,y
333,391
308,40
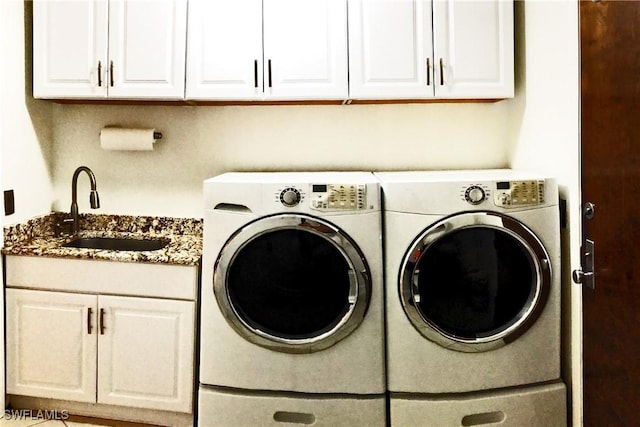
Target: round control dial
x,y
474,195
290,197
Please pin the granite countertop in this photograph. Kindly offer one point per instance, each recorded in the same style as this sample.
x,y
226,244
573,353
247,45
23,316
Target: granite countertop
x,y
41,237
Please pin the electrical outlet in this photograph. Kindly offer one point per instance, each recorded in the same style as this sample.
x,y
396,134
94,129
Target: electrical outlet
x,y
9,202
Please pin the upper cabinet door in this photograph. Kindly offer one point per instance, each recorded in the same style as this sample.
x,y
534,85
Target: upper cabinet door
x,y
224,50
473,44
390,49
147,42
69,48
305,49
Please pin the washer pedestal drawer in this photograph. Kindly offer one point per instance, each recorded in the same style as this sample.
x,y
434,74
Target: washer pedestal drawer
x,y
234,408
533,406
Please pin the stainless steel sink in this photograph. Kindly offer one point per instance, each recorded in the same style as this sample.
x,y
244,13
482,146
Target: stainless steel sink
x,y
117,244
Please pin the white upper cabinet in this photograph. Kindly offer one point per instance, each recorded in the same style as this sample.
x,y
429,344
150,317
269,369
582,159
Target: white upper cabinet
x,y
305,49
147,42
69,49
420,49
225,49
390,49
267,50
123,49
473,43
273,50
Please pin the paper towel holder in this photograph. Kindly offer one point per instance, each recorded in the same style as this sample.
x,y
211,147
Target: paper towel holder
x,y
156,134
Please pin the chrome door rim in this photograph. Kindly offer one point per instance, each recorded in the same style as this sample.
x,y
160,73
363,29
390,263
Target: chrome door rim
x,y
359,282
483,219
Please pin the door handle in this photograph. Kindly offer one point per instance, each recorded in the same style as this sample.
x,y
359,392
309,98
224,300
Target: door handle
x,y
269,69
99,78
586,275
111,73
441,72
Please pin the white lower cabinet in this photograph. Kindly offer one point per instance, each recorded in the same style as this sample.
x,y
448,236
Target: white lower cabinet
x,y
145,353
49,350
128,351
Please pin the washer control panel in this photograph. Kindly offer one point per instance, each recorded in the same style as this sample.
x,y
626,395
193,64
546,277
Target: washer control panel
x,y
324,197
338,197
519,193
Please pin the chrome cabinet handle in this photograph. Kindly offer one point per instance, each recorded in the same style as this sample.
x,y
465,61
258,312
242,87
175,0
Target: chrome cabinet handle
x,y
89,326
99,78
441,72
111,73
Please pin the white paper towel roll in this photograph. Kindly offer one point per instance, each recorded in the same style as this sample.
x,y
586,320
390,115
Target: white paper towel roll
x,y
113,138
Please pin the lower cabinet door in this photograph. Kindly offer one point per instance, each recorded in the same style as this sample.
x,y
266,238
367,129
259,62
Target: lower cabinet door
x,y
51,344
146,353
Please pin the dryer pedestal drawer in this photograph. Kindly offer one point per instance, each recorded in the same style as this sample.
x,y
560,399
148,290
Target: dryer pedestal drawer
x,y
534,406
229,408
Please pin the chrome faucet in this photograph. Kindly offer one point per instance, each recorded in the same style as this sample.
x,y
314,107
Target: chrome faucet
x,y
94,200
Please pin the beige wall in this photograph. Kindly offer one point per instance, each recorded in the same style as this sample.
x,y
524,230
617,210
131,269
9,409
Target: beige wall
x,y
26,123
200,142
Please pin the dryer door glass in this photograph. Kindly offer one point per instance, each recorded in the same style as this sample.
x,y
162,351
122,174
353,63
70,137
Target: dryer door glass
x,y
474,281
292,283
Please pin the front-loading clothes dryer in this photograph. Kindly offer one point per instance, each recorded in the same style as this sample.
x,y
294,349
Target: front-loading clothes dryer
x,y
292,325
472,273
472,278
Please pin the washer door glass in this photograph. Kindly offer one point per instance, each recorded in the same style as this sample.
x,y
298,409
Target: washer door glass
x,y
292,283
475,281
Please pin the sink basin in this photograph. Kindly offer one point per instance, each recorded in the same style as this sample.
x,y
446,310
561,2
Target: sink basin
x,y
117,244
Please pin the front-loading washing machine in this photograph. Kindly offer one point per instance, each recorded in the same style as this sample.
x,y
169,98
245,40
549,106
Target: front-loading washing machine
x,y
472,273
292,327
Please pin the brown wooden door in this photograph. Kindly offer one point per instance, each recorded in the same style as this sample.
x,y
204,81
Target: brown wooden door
x,y
610,48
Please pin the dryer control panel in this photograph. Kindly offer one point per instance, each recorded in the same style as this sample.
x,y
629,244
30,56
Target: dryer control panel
x,y
518,193
338,197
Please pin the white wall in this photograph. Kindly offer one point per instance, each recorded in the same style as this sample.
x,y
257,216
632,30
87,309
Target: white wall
x,y
26,131
200,142
546,125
